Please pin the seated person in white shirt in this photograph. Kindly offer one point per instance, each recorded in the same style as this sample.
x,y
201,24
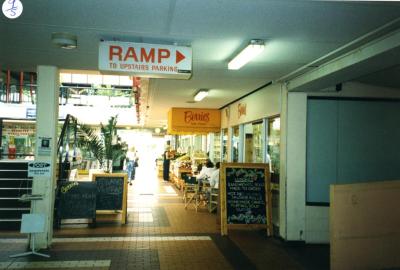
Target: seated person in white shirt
x,y
205,172
214,178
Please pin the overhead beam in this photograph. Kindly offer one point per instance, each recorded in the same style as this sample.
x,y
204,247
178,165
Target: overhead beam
x,y
378,54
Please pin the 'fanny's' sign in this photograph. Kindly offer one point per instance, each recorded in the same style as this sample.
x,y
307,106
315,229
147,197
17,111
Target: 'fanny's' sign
x,y
146,60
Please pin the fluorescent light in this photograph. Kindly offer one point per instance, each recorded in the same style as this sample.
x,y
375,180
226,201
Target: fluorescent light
x,y
255,47
202,93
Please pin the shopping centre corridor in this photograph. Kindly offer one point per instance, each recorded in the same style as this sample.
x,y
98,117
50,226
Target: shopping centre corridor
x,y
160,234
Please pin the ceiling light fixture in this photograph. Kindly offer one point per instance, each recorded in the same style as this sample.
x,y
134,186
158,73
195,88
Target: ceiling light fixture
x,y
202,93
64,40
255,47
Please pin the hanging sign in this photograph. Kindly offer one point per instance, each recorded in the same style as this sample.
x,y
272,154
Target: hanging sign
x,y
193,121
146,60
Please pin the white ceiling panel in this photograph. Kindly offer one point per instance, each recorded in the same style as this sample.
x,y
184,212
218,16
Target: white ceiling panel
x,y
296,33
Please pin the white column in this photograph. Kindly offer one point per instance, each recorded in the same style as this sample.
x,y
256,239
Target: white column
x,y
296,166
283,161
46,128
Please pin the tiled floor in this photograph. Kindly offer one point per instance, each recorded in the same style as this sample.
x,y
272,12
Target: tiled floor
x,y
160,234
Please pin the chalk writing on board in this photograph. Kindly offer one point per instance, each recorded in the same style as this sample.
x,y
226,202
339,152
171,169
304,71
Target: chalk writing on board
x,y
110,193
77,200
245,196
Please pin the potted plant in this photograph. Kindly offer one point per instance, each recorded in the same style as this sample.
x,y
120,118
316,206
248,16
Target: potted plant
x,y
106,148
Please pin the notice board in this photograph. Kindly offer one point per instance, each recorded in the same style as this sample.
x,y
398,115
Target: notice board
x,y
245,196
111,192
77,200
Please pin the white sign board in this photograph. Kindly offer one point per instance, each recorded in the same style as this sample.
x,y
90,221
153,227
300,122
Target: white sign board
x,y
146,60
33,223
44,146
37,168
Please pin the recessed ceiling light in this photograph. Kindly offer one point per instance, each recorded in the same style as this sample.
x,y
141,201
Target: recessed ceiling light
x,y
64,40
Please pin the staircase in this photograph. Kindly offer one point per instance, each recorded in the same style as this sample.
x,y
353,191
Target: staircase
x,y
14,182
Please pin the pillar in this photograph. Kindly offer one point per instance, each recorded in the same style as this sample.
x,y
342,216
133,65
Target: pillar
x,y
46,127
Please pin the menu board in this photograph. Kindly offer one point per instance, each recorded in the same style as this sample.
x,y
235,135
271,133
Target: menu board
x,y
245,195
77,200
111,192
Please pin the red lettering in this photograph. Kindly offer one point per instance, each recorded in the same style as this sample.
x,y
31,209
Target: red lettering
x,y
163,53
131,54
201,117
115,51
144,57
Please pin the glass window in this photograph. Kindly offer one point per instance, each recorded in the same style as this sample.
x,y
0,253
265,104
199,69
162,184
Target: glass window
x,y
248,143
217,147
274,136
235,144
253,143
225,145
258,142
274,132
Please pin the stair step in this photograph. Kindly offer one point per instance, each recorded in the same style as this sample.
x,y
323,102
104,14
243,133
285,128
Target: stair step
x,y
14,192
16,179
15,209
15,184
14,188
4,165
10,219
13,174
14,203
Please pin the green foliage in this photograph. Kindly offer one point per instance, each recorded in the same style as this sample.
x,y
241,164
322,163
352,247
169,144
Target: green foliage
x,y
107,147
90,141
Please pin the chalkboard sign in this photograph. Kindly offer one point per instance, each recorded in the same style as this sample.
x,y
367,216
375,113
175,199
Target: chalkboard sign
x,y
77,200
245,195
111,192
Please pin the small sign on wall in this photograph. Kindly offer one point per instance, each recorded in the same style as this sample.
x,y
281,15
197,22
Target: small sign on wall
x,y
44,146
241,109
36,168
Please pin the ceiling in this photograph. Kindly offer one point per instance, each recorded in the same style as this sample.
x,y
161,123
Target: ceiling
x,y
296,33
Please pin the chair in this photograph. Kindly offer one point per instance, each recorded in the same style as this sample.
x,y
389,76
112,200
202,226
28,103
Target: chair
x,y
189,187
197,197
213,200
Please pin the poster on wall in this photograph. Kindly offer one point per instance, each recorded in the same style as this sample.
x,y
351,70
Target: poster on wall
x,y
44,146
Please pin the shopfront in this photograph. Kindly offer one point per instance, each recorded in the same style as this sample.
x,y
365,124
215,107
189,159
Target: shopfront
x,y
251,134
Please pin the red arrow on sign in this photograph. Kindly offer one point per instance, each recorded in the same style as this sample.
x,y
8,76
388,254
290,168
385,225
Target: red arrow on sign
x,y
179,57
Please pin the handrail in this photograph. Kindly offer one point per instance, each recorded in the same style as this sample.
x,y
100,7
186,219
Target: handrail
x,y
64,135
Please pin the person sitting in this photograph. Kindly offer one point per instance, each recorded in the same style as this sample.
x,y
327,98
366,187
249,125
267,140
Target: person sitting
x,y
205,172
214,181
214,178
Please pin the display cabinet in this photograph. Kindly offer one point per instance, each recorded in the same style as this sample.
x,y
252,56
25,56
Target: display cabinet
x,y
224,146
17,139
216,147
258,142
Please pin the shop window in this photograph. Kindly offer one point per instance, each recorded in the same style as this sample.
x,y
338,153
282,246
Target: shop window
x,y
235,144
273,149
225,145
